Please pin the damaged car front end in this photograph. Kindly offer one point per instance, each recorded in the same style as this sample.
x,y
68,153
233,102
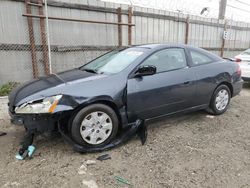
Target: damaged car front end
x,y
51,103
55,113
38,115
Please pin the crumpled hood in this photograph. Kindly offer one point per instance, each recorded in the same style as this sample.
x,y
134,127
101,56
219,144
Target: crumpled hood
x,y
47,86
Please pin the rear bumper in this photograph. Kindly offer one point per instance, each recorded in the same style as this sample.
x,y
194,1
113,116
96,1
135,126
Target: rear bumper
x,y
35,122
237,87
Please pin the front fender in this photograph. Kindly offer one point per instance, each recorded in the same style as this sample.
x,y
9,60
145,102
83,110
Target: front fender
x,y
68,103
72,102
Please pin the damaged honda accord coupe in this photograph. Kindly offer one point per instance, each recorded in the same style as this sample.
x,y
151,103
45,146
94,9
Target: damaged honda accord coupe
x,y
93,106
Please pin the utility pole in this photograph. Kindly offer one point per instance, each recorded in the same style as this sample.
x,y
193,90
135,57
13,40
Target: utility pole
x,y
222,9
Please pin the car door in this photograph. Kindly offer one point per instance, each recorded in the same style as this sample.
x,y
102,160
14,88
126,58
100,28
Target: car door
x,y
170,90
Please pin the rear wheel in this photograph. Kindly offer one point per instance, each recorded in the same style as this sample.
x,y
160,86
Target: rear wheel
x,y
220,100
94,125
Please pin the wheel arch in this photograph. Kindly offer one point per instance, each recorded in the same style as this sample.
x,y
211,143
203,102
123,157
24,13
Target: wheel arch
x,y
99,100
210,109
228,84
111,104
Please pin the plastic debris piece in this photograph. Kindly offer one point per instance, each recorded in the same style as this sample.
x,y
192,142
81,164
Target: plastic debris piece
x,y
210,116
22,156
122,180
31,150
26,153
3,133
19,157
142,132
90,162
27,141
103,157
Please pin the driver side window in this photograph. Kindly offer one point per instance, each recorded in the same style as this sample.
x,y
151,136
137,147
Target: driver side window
x,y
167,60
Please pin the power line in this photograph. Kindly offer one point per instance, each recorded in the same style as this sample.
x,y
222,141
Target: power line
x,y
238,8
242,2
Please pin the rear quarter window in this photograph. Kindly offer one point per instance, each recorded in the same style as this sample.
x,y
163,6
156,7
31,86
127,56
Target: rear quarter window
x,y
199,58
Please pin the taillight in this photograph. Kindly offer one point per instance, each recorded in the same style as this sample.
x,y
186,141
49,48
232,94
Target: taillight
x,y
237,60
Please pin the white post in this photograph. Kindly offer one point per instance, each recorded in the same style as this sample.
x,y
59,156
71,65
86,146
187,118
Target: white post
x,y
48,38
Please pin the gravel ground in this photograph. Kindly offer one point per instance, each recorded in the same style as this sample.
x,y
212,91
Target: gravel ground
x,y
194,150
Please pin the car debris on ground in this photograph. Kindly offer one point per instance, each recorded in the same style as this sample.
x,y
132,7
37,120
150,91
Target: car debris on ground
x,y
103,157
122,180
210,116
26,153
26,149
3,133
139,128
90,162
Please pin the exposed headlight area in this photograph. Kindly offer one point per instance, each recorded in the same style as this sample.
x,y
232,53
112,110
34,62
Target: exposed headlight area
x,y
42,106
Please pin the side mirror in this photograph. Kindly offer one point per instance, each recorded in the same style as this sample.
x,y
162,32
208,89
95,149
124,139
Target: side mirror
x,y
145,70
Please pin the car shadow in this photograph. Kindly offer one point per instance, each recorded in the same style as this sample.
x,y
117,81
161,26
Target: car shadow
x,y
174,120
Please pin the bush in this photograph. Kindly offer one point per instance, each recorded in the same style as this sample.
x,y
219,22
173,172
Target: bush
x,y
6,88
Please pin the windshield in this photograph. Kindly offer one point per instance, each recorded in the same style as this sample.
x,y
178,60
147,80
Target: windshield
x,y
114,61
246,52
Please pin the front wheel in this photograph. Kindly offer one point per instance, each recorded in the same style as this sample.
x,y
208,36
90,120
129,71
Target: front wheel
x,y
220,100
94,125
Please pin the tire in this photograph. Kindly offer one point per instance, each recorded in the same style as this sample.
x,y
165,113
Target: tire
x,y
219,104
94,125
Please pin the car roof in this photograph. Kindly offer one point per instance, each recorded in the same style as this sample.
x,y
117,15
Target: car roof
x,y
153,46
156,47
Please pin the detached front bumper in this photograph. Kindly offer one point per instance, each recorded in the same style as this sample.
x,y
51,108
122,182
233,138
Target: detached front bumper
x,y
36,122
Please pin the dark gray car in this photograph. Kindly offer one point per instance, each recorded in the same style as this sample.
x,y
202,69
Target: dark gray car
x,y
106,96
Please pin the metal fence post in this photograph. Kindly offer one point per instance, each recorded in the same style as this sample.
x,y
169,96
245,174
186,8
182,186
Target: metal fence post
x,y
223,40
130,13
32,40
187,30
119,16
44,41
48,36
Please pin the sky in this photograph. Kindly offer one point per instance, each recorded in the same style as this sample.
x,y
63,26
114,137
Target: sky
x,y
238,10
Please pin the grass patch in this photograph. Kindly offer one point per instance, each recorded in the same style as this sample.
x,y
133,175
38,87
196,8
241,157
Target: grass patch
x,y
6,88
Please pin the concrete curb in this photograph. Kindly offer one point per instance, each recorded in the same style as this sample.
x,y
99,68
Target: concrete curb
x,y
4,97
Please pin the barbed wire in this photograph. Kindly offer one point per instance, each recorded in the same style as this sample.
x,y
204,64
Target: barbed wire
x,y
194,7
